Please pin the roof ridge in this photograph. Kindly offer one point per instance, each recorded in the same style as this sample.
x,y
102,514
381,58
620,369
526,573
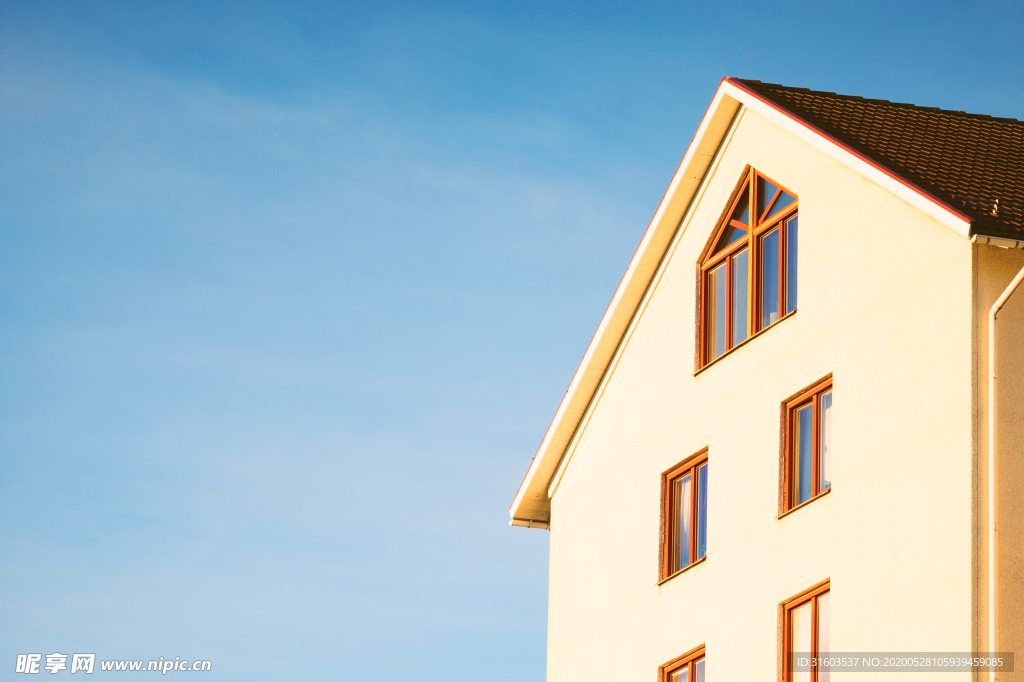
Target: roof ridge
x,y
883,102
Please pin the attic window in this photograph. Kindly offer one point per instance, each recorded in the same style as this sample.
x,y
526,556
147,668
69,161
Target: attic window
x,y
749,274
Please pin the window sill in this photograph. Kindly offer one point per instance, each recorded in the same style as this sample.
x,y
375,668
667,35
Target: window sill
x,y
698,562
745,342
804,504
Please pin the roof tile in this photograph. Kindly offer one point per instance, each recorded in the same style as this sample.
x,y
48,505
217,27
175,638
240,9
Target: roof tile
x,y
967,160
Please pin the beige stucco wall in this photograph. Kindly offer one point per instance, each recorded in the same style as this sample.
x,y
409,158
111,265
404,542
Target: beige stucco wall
x,y
995,268
885,304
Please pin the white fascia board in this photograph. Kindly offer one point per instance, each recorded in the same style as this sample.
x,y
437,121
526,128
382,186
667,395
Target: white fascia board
x,y
531,504
648,294
849,157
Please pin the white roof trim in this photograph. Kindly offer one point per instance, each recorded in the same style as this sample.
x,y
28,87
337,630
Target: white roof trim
x,y
531,506
683,224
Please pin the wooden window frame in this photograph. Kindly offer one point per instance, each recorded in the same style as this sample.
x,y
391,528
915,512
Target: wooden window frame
x,y
808,396
758,227
667,670
668,522
786,609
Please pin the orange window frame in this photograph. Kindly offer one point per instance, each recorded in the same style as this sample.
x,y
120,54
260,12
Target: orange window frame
x,y
809,396
759,226
788,607
676,665
669,548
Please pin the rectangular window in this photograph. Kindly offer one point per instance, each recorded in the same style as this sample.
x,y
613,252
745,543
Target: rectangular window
x,y
685,511
806,622
777,272
809,444
687,668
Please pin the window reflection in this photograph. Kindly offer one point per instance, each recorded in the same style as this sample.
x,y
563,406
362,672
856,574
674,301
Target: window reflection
x,y
698,671
740,268
702,511
717,310
791,232
824,637
770,278
683,509
804,460
825,448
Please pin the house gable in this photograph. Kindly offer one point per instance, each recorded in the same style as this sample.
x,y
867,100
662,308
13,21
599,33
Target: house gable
x,y
531,506
658,348
610,615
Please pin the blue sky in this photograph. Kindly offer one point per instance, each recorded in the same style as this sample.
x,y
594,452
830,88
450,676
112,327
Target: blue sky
x,y
290,291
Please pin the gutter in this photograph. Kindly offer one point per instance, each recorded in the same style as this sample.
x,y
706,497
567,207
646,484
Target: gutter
x,y
529,523
1001,242
993,577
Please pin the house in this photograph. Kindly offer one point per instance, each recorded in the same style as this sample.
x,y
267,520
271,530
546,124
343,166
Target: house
x,y
807,318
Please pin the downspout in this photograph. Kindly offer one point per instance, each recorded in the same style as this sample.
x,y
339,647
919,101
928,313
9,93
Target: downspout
x,y
992,445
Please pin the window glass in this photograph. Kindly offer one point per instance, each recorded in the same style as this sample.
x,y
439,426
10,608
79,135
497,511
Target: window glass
x,y
800,637
698,671
770,278
683,509
825,445
717,290
824,643
739,297
809,636
681,675
765,191
803,462
784,200
731,234
742,212
791,231
702,511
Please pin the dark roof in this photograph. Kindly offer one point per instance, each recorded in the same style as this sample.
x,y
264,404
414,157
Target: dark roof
x,y
966,160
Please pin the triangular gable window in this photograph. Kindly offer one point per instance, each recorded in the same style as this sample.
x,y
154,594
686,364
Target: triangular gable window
x,y
749,272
